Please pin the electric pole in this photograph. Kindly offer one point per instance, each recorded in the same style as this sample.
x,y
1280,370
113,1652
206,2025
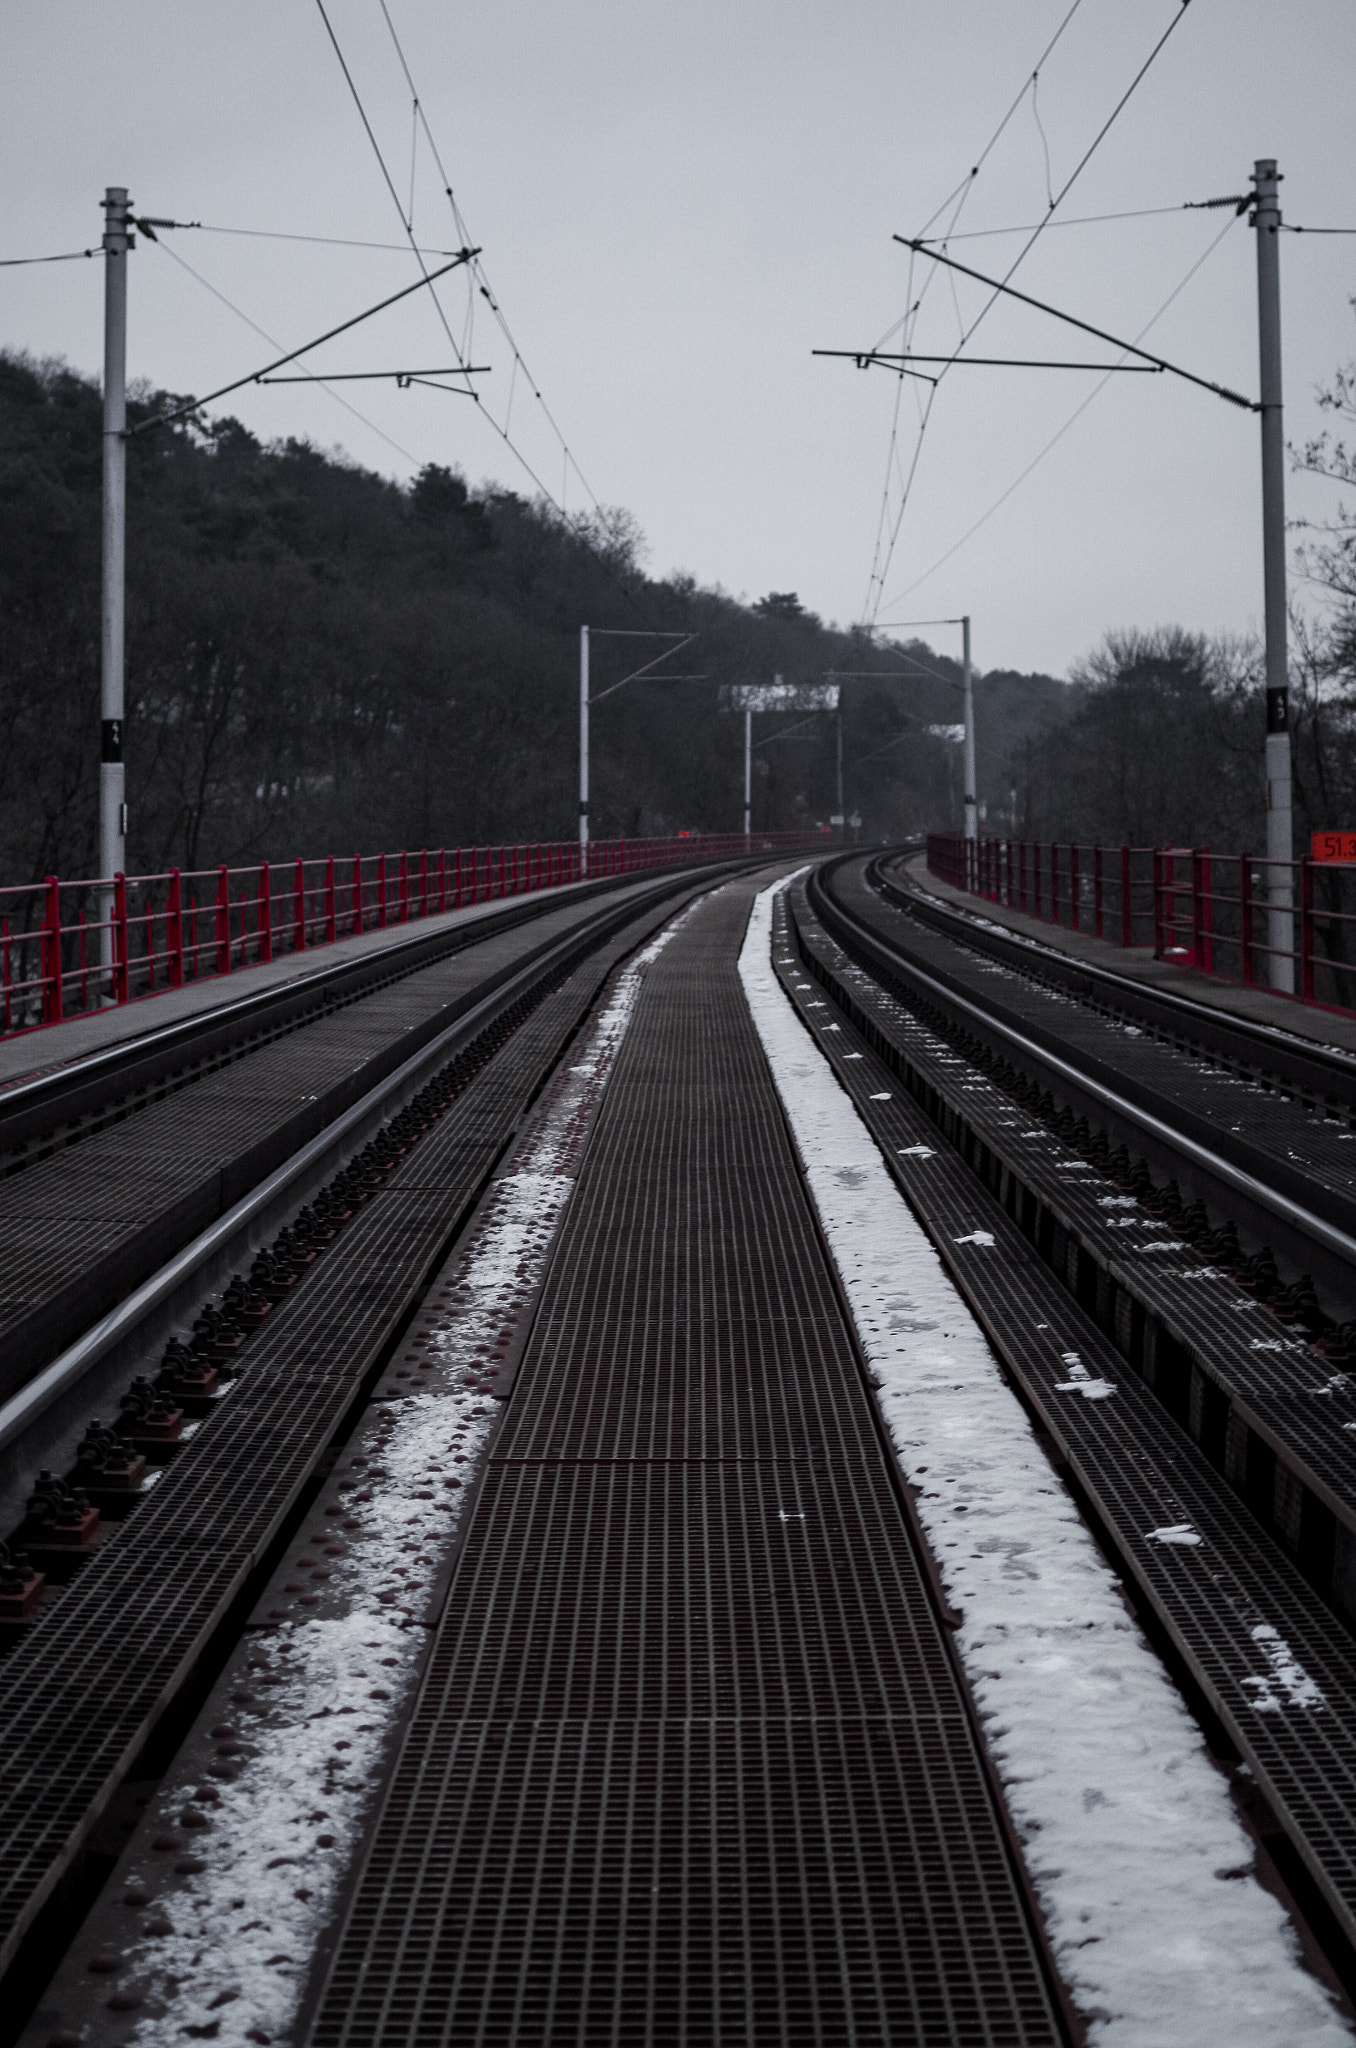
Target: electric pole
x,y
583,750
748,771
112,786
971,807
842,814
1280,840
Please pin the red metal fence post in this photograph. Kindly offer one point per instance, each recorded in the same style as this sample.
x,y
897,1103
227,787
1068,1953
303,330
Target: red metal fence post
x,y
263,921
1054,881
1158,904
1307,928
4,943
1073,885
175,931
1127,926
331,916
442,880
223,920
1245,918
358,907
404,887
423,882
51,952
1097,890
299,907
119,938
1207,955
457,879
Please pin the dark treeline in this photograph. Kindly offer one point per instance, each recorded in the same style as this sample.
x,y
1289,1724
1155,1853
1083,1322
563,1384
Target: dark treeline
x,y
321,660
1160,737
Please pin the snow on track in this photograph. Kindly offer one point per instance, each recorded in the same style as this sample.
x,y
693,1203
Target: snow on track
x,y
1159,1927
224,1950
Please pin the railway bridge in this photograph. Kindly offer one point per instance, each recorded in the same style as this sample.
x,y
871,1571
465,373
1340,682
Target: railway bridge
x,y
757,1450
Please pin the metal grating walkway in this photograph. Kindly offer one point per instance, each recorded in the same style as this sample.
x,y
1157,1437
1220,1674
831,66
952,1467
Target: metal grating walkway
x,y
81,1225
691,1761
1222,1599
1292,1145
80,1694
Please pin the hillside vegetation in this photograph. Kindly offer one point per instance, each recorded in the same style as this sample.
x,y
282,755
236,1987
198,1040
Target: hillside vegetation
x,y
321,660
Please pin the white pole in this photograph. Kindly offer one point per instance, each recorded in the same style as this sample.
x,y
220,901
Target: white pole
x,y
583,750
1280,839
971,806
112,785
748,770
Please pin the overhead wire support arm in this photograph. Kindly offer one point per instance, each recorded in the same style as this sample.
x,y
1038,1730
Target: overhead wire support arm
x,y
164,419
683,640
864,358
1084,326
402,377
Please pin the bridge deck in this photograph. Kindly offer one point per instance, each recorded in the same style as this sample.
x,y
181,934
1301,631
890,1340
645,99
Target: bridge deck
x,y
1257,1005
691,1759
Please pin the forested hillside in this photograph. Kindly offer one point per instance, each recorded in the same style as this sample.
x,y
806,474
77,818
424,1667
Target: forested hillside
x,y
318,659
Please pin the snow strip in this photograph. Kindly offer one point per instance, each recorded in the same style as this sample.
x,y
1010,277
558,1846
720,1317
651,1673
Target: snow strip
x,y
225,1950
1144,1873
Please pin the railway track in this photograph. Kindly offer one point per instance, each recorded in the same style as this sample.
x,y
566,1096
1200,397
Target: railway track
x,y
685,1557
1147,1208
268,1192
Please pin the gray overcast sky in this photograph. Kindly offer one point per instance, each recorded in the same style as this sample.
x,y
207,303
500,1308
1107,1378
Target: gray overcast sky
x,y
676,205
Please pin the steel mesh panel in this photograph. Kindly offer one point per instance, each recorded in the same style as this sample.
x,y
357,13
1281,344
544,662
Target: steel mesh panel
x,y
79,1694
1142,1473
691,1761
1278,1384
1283,1132
168,1170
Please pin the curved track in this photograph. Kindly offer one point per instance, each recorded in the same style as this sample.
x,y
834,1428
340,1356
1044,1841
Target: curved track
x,y
323,1146
1107,1196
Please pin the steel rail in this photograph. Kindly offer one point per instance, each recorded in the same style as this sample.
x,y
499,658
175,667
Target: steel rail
x,y
46,1094
1329,1062
121,1323
1304,1220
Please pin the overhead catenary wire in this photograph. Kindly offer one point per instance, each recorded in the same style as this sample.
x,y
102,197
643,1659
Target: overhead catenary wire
x,y
459,350
956,201
481,278
280,235
1078,220
273,342
1100,333
395,196
1058,436
67,256
881,567
257,376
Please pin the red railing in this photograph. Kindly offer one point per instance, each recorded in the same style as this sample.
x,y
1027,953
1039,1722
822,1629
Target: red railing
x,y
1213,911
71,947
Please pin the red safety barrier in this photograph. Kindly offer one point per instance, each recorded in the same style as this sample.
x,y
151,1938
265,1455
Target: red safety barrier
x,y
1229,915
71,947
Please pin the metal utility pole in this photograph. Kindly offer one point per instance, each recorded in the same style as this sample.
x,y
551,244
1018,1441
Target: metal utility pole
x,y
842,814
112,786
971,807
583,750
1280,840
748,770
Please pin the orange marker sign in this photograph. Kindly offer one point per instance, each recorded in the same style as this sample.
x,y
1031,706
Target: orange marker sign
x,y
1334,846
